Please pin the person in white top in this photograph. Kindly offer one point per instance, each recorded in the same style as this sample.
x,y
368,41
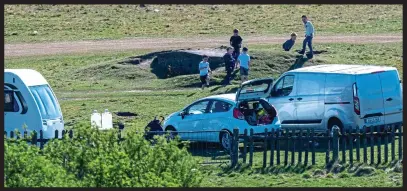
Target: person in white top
x,y
309,34
204,70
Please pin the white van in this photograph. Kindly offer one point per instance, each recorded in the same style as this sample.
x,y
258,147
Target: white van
x,y
29,101
348,96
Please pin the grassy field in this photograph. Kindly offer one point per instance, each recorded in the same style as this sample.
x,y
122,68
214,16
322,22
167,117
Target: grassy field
x,y
84,22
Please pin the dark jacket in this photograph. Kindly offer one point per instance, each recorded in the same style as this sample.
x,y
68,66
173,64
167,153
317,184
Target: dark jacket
x,y
288,44
229,60
236,41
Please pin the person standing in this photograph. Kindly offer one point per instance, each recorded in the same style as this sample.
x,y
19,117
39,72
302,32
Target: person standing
x,y
244,61
204,69
236,43
229,65
309,34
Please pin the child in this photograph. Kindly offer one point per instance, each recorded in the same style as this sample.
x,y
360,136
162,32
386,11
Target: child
x,y
236,43
290,42
204,69
244,61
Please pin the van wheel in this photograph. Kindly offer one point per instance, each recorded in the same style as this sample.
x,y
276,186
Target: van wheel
x,y
225,139
333,123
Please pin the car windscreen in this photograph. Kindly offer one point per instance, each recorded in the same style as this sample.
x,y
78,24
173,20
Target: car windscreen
x,y
46,102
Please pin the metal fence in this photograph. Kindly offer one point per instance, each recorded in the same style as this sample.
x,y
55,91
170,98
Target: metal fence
x,y
299,146
197,145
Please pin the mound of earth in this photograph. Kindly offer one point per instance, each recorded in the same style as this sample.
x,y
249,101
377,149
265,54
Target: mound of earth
x,y
167,64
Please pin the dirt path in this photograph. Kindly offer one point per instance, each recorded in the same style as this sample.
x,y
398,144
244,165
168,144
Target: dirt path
x,y
52,48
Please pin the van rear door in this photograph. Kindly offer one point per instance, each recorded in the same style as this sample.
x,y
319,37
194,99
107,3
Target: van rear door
x,y
393,105
369,92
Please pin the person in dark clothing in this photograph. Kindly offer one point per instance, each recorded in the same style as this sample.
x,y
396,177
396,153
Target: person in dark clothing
x,y
229,64
236,43
290,42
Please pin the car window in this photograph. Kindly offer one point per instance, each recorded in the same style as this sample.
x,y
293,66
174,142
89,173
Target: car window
x,y
284,86
220,106
198,108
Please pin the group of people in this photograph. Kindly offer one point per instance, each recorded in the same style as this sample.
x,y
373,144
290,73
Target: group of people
x,y
234,59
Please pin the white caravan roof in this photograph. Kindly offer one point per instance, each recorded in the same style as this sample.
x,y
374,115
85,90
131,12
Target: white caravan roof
x,y
28,76
343,69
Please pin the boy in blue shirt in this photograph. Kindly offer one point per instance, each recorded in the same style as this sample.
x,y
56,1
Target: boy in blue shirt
x,y
244,61
204,69
290,42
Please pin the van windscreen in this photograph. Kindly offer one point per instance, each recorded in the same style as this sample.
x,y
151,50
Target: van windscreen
x,y
46,102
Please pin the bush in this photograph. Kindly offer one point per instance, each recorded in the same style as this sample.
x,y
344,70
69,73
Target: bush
x,y
97,159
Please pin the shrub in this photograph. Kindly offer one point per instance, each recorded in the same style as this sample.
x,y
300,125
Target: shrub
x,y
97,159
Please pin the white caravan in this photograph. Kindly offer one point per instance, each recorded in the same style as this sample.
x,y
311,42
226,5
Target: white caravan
x,y
347,96
30,103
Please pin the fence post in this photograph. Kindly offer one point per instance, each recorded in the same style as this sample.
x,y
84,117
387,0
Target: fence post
x,y
41,139
386,142
343,140
371,145
313,146
365,145
34,138
11,134
63,133
328,135
25,135
379,145
286,147
70,134
56,134
358,143
272,147
335,142
278,133
245,146
350,146
235,147
393,144
300,147
265,149
294,140
307,149
400,142
251,147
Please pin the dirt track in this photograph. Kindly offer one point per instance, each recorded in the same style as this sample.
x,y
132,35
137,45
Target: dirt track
x,y
52,48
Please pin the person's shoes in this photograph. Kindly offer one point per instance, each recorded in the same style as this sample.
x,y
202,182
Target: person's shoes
x,y
301,52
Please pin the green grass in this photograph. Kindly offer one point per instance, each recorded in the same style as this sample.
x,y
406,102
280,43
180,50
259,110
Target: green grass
x,y
82,22
384,175
101,72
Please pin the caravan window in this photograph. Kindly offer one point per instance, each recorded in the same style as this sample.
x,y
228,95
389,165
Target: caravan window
x,y
10,103
46,102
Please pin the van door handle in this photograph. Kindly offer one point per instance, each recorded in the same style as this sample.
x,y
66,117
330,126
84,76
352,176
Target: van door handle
x,y
299,99
291,99
389,99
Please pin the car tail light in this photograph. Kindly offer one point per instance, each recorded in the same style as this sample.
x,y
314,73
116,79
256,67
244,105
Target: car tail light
x,y
237,114
356,102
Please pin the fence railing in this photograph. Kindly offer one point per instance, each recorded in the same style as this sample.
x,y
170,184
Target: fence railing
x,y
299,146
208,152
